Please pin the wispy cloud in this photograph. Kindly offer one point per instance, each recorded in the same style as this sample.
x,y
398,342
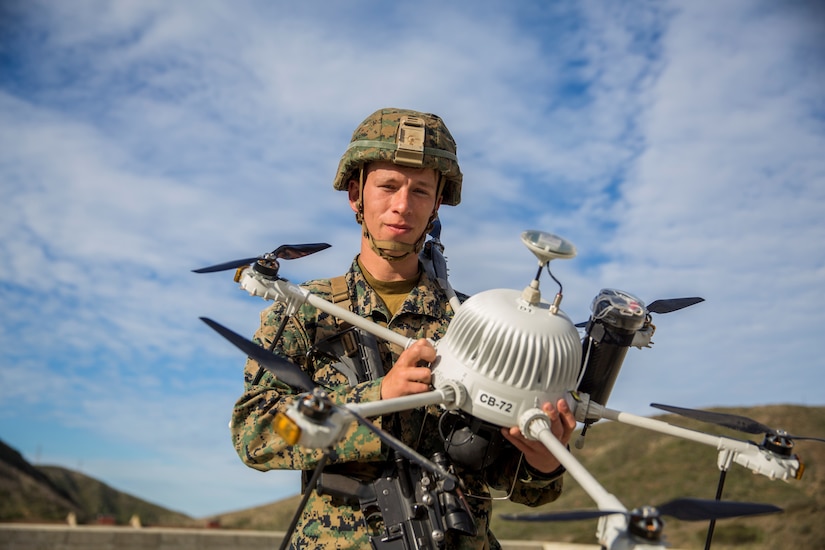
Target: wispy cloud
x,y
678,145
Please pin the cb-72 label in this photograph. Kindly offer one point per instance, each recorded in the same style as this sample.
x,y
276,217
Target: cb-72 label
x,y
494,402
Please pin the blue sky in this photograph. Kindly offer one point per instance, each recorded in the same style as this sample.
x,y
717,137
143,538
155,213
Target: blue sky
x,y
678,145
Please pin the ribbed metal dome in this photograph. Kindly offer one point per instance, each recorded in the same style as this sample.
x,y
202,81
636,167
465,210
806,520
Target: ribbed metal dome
x,y
501,347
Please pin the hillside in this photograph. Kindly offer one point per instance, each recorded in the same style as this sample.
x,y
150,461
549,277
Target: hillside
x,y
27,494
50,493
95,498
638,466
642,467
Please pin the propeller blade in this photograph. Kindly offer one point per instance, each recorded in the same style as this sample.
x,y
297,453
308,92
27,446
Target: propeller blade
x,y
287,372
686,509
732,421
805,437
294,251
404,450
698,509
234,264
572,515
672,304
283,252
663,306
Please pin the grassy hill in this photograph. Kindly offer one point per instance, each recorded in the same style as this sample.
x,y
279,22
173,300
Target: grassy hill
x,y
95,499
27,494
50,493
641,467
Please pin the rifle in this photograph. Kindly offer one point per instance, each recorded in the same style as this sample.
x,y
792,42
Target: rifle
x,y
409,508
355,352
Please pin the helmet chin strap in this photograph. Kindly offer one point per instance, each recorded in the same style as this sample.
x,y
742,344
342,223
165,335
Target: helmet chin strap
x,y
383,248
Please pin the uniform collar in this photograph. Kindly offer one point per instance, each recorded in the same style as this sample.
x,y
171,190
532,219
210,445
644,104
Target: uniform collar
x,y
427,298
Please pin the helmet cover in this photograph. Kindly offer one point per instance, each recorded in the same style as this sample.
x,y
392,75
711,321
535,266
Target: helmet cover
x,y
406,138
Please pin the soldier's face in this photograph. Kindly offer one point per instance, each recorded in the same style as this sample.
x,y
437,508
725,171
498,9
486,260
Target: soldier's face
x,y
398,201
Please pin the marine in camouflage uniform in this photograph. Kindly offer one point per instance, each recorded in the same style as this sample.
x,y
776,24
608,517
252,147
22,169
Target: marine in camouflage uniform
x,y
328,522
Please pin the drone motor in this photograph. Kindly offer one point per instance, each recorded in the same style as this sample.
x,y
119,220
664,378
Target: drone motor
x,y
616,318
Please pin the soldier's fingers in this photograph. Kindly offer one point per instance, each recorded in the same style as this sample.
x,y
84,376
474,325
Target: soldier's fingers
x,y
566,415
422,375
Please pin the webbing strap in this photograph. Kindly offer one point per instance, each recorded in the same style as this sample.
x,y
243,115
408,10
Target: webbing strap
x,y
340,291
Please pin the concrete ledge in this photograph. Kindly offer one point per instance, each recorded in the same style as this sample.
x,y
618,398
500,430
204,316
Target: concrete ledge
x,y
532,545
62,537
23,536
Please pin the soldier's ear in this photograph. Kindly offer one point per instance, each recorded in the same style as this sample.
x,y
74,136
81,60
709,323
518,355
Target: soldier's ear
x,y
354,192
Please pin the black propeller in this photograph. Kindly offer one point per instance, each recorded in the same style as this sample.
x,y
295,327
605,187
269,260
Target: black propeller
x,y
290,374
287,372
645,521
732,421
666,305
669,305
686,509
283,252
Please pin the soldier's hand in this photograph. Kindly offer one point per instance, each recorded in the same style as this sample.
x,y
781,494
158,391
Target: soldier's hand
x,y
562,424
409,375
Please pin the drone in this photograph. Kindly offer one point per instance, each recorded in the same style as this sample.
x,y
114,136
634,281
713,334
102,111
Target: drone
x,y
504,354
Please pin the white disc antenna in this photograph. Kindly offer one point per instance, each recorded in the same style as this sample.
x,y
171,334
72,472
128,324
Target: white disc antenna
x,y
546,247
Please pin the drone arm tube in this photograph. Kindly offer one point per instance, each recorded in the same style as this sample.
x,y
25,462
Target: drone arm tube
x,y
255,441
444,396
261,448
588,410
669,429
294,296
536,424
358,321
613,527
744,453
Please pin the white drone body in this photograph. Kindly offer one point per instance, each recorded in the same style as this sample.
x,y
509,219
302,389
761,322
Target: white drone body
x,y
504,354
508,354
510,351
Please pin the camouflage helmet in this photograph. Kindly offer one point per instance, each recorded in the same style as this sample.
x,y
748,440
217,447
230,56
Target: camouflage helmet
x,y
407,138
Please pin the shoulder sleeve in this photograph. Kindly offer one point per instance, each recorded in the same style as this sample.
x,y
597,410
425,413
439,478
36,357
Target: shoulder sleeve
x,y
255,441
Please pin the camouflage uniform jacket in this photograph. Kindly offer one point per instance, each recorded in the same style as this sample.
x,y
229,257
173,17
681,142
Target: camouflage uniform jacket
x,y
329,524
